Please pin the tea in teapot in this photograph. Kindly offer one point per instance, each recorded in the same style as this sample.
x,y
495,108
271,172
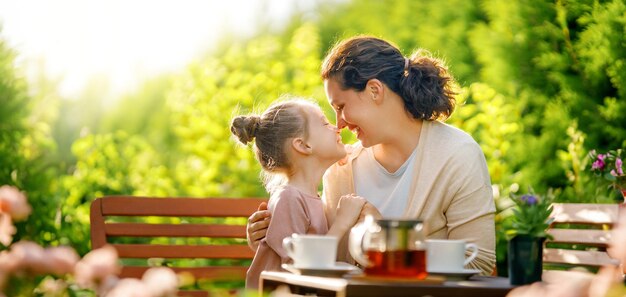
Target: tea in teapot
x,y
390,247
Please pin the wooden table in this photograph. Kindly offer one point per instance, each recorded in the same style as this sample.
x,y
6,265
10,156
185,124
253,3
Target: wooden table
x,y
479,286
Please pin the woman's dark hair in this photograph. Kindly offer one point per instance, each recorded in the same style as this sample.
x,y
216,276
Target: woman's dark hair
x,y
425,86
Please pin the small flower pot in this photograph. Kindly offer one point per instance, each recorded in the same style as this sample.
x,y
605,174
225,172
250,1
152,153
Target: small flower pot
x,y
525,259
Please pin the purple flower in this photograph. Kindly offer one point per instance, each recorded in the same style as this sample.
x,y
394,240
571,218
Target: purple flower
x,y
529,199
601,157
618,166
598,165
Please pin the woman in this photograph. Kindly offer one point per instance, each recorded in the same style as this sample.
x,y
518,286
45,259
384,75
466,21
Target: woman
x,y
407,163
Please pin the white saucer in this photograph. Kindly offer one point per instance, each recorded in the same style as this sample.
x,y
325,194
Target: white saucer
x,y
456,275
339,269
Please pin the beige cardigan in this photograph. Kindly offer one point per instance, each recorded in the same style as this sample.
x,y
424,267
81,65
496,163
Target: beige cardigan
x,y
451,191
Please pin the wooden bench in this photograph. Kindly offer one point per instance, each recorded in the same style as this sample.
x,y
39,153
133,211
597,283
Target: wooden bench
x,y
175,231
583,241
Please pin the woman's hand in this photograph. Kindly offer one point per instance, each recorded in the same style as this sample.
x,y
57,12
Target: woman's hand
x,y
369,209
257,226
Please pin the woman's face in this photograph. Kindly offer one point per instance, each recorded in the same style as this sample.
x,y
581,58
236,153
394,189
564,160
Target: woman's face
x,y
354,110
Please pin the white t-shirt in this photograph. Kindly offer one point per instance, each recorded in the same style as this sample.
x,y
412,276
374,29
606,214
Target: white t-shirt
x,y
380,187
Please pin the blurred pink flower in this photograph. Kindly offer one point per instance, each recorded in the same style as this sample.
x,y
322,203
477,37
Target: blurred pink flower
x,y
14,202
607,278
30,257
61,260
129,287
161,281
8,264
572,284
107,285
96,266
7,230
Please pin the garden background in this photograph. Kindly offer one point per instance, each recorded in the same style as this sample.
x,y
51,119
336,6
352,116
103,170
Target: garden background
x,y
544,82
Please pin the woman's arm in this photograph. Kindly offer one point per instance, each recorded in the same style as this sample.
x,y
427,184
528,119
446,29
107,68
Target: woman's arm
x,y
471,212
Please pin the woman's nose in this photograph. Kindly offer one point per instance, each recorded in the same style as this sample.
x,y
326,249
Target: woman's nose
x,y
340,122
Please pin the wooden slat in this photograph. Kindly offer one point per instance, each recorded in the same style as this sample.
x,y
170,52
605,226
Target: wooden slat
x,y
589,258
98,237
193,294
208,272
184,251
585,213
189,207
600,238
175,230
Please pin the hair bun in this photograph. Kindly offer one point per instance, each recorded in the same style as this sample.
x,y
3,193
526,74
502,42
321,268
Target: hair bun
x,y
245,127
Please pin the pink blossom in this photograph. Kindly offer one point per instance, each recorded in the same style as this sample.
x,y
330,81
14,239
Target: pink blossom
x,y
6,229
601,157
96,266
130,287
8,264
606,278
30,256
597,165
107,285
161,281
14,202
61,260
618,166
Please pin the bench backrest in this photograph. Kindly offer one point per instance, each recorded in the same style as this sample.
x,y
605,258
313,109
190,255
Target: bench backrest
x,y
581,234
176,228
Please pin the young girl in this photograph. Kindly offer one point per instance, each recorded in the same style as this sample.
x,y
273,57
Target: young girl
x,y
295,144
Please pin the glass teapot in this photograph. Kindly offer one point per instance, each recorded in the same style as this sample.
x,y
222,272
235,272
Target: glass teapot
x,y
390,247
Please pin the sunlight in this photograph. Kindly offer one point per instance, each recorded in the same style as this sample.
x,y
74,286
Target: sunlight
x,y
123,42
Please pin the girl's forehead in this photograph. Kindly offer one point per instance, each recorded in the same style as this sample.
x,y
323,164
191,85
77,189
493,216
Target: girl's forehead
x,y
313,110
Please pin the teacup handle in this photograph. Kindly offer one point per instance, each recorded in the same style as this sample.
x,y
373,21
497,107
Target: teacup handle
x,y
474,248
288,246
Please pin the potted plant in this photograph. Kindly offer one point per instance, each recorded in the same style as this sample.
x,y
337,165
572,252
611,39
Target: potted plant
x,y
609,166
527,233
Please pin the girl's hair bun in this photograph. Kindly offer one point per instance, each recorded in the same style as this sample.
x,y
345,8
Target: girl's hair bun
x,y
245,127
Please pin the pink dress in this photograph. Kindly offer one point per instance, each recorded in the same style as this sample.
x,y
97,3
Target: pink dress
x,y
292,212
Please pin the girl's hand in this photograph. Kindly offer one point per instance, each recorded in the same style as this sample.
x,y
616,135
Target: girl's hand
x,y
349,209
257,226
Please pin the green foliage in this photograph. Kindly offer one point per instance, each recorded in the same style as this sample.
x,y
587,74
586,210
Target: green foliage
x,y
145,113
431,25
108,164
548,57
246,78
543,84
25,144
531,215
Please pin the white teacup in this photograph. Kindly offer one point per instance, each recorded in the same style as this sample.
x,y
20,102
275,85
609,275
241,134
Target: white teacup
x,y
311,251
444,255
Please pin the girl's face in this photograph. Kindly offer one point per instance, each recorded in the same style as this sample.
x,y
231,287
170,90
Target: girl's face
x,y
324,137
354,110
